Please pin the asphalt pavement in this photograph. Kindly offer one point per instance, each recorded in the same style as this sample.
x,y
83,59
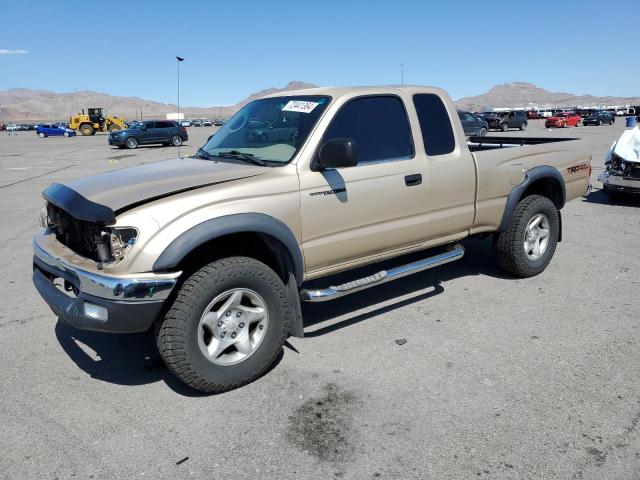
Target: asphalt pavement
x,y
498,378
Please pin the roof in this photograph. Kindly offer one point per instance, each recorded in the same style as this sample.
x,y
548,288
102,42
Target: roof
x,y
363,90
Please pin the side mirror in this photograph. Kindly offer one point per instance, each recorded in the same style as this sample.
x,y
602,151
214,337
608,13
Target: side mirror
x,y
337,153
143,128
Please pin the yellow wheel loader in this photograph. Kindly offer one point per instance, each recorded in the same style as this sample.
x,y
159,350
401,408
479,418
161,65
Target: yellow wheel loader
x,y
94,121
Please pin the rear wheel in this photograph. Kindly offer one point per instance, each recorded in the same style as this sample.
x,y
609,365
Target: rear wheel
x,y
113,128
504,127
526,247
482,132
226,326
86,129
176,140
66,134
131,142
523,127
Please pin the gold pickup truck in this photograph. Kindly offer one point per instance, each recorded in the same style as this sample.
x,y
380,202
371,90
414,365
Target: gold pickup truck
x,y
215,251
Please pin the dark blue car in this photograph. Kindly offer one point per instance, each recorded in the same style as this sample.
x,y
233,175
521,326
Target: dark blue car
x,y
54,130
164,132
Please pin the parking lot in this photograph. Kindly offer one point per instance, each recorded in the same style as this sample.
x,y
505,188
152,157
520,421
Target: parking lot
x,y
498,378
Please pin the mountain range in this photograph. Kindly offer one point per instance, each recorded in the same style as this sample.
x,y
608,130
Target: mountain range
x,y
21,104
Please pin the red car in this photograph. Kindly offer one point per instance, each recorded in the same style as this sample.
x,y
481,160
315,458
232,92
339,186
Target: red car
x,y
532,114
563,119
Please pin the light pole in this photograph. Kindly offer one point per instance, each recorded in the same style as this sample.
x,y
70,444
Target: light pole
x,y
180,60
402,74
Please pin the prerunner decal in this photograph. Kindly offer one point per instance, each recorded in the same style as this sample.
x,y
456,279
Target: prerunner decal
x,y
299,106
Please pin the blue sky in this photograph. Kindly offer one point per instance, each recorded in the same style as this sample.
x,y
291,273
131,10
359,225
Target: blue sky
x,y
234,48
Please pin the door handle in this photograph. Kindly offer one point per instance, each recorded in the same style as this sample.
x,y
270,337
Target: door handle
x,y
412,180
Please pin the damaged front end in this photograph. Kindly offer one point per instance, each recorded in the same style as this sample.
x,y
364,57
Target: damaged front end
x,y
621,175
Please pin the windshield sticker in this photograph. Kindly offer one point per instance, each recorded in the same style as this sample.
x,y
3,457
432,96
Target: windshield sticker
x,y
299,106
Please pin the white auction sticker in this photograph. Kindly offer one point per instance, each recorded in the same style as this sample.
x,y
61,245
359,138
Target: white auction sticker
x,y
299,106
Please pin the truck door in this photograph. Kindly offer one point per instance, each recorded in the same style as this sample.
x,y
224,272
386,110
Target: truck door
x,y
375,207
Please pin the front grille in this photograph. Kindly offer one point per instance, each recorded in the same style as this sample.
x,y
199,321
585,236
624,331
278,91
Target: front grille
x,y
87,239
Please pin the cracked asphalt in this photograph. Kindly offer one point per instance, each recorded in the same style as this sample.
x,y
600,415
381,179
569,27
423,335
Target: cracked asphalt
x,y
499,378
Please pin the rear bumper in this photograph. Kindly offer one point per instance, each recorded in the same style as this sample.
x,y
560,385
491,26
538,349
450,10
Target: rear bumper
x,y
132,302
619,183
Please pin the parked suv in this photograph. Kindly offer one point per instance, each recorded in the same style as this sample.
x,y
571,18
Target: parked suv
x,y
599,117
472,124
506,120
150,132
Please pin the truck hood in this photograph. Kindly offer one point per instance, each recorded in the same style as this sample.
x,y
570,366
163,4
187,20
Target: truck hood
x,y
123,188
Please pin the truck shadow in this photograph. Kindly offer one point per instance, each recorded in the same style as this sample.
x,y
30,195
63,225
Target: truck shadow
x,y
130,359
347,311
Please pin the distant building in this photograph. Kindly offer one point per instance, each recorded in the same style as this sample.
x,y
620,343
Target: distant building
x,y
174,116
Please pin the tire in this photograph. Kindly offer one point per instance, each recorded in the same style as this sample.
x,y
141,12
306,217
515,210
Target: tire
x,y
66,134
181,336
511,248
523,127
482,132
113,128
131,142
86,129
504,127
176,140
41,135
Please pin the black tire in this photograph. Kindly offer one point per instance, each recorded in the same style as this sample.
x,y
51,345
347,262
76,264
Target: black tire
x,y
113,128
41,135
86,129
508,246
482,132
177,332
504,127
131,142
523,126
176,140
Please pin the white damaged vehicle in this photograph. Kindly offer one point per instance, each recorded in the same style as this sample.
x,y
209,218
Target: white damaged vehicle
x,y
622,164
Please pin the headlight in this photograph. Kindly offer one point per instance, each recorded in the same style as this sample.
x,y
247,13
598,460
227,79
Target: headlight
x,y
122,240
44,217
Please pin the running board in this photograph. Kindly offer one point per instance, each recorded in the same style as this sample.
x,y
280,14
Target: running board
x,y
384,276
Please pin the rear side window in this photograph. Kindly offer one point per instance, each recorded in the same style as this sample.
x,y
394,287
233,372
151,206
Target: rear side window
x,y
151,124
164,125
378,125
435,124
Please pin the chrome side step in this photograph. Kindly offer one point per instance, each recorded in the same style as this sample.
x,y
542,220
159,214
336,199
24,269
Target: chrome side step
x,y
384,276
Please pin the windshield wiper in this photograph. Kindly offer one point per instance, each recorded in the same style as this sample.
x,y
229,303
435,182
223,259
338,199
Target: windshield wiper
x,y
247,157
202,153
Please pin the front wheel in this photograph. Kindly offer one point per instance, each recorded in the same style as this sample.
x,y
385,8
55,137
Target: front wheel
x,y
523,127
526,247
176,140
41,135
226,326
66,134
131,142
504,127
86,129
482,132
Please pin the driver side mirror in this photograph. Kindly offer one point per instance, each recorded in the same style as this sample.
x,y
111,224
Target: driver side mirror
x,y
143,128
337,153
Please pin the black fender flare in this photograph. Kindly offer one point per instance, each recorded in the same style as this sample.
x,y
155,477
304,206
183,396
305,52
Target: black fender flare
x,y
217,227
531,176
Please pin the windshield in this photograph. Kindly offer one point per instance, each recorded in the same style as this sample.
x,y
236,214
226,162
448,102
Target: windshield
x,y
136,126
270,129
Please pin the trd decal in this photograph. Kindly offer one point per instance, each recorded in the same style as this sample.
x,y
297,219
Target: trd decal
x,y
578,168
328,192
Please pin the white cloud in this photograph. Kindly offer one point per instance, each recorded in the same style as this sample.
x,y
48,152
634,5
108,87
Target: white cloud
x,y
5,51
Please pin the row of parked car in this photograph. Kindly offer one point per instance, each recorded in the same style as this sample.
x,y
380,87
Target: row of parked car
x,y
479,124
17,127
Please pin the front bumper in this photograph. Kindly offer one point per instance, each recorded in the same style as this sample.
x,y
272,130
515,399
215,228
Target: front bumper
x,y
116,141
619,183
132,302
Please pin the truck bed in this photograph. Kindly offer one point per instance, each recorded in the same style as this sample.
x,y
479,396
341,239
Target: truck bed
x,y
478,144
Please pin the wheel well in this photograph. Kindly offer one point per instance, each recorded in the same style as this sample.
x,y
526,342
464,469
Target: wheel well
x,y
262,247
547,187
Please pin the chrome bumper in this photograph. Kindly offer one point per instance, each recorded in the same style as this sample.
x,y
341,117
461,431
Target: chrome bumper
x,y
618,181
132,287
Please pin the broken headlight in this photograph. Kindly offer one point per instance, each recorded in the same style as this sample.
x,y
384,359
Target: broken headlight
x,y
121,240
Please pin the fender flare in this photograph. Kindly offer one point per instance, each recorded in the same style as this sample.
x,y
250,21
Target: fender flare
x,y
217,227
531,176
